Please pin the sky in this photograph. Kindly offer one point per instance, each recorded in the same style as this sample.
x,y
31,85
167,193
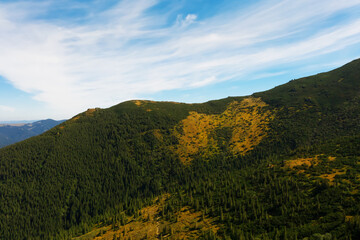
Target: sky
x,y
60,57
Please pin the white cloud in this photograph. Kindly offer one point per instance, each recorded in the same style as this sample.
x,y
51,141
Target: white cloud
x,y
184,22
6,109
204,82
123,53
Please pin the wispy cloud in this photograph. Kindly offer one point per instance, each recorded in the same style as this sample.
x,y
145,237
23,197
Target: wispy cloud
x,y
6,109
127,51
184,22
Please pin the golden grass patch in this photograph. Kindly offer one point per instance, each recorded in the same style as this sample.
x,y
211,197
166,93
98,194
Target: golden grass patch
x,y
87,113
142,102
331,176
308,162
90,111
157,134
138,102
300,162
150,225
75,118
248,121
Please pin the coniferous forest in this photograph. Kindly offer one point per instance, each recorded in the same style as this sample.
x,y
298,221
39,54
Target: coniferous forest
x,y
279,164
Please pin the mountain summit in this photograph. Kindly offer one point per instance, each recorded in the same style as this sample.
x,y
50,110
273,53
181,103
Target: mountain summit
x,y
280,164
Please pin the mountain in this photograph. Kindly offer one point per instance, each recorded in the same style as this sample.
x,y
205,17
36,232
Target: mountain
x,y
12,133
279,164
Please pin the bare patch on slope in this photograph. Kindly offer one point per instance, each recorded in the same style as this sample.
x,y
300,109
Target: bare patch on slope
x,y
91,111
87,113
152,225
198,134
301,162
142,103
318,166
307,162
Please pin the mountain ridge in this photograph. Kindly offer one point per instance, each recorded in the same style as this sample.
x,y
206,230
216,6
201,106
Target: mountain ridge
x,y
343,78
11,133
104,164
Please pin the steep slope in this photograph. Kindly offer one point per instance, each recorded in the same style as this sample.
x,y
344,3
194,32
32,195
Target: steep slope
x,y
326,90
243,162
12,133
316,108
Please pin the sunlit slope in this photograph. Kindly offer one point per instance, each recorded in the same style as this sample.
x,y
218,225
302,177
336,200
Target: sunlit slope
x,y
101,158
105,161
238,129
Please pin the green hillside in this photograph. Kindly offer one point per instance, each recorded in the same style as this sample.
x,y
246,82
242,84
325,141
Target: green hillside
x,y
326,90
280,164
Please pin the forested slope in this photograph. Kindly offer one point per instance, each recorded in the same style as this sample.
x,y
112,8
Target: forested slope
x,y
281,164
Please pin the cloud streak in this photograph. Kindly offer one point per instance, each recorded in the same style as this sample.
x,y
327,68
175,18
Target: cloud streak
x,y
128,51
6,109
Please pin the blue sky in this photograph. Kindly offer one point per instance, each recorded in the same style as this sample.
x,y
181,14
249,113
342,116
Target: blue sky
x,y
60,57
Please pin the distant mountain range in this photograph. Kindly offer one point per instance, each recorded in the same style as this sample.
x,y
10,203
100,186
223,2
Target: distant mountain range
x,y
11,133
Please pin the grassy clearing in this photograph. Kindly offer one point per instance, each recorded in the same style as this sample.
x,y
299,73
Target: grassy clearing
x,y
150,224
206,134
